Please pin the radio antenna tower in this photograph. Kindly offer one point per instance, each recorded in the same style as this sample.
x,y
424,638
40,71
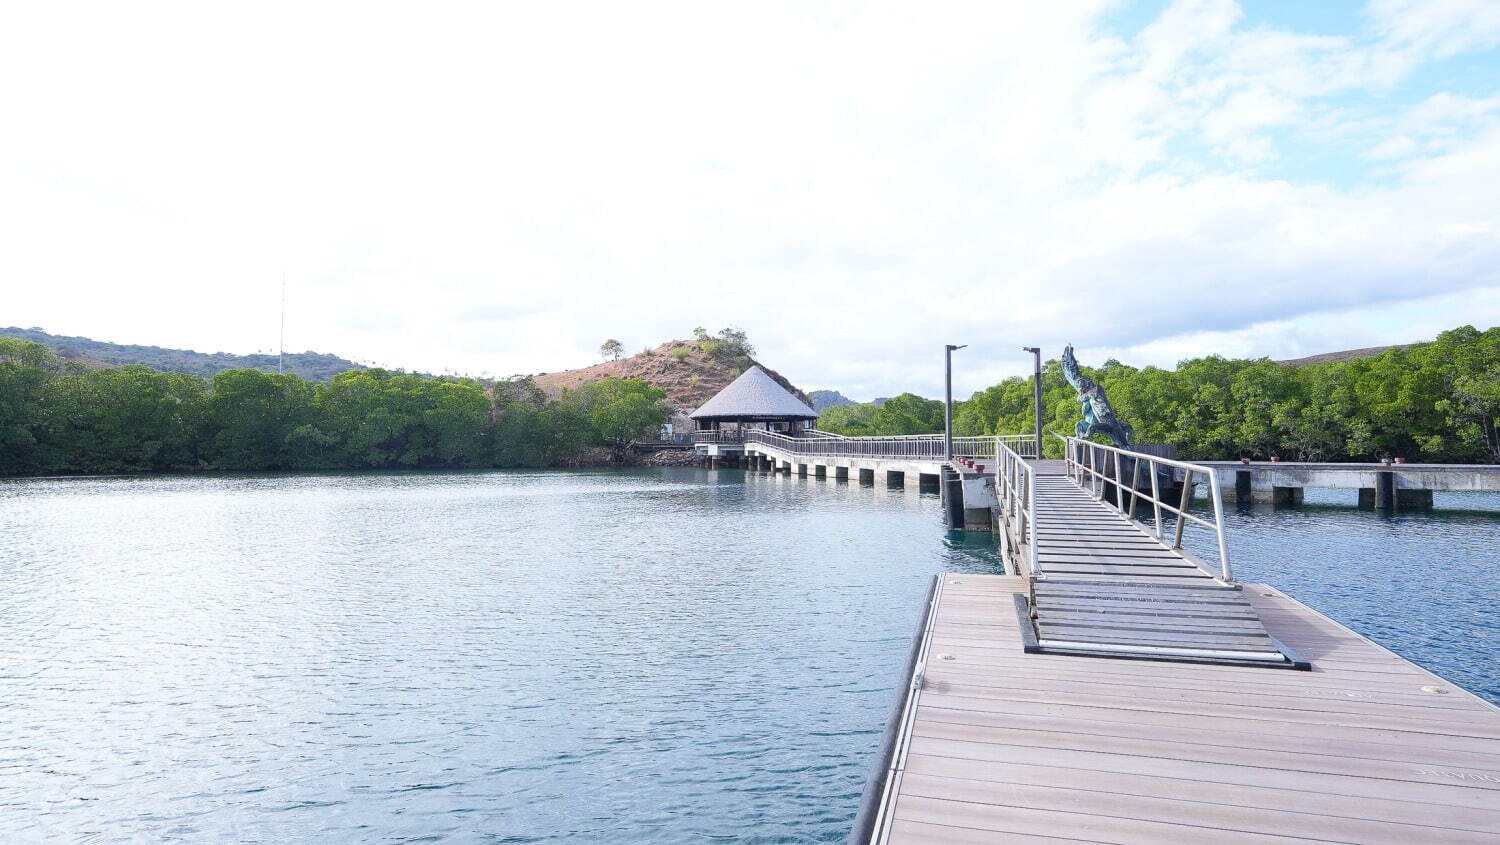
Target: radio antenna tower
x,y
281,344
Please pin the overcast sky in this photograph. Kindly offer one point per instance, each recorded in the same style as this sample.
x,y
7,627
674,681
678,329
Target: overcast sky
x,y
497,188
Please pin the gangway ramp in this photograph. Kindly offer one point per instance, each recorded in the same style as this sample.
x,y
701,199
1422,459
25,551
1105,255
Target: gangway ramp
x,y
1103,583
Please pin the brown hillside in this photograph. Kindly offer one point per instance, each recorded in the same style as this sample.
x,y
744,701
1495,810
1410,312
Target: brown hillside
x,y
689,382
1345,355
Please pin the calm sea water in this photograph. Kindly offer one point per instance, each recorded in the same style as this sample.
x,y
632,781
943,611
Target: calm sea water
x,y
654,656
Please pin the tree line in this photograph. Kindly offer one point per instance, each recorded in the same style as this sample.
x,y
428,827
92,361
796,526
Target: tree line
x,y
59,417
1438,401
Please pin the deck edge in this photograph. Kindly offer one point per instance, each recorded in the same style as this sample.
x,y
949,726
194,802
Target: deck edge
x,y
872,799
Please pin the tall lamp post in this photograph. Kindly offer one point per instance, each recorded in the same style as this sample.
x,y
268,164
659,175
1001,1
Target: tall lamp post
x,y
948,401
1036,394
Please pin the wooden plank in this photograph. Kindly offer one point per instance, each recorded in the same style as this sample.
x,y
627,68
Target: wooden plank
x,y
1123,566
1198,593
1145,552
1002,658
1127,609
1071,730
1295,812
1332,698
1350,778
946,834
1099,621
1262,709
1146,604
1155,639
1137,568
1124,581
1070,825
1086,556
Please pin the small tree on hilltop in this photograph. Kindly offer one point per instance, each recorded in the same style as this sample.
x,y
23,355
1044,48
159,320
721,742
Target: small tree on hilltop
x,y
612,349
734,343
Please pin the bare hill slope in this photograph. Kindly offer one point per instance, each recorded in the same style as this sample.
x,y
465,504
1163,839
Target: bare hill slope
x,y
689,375
1345,355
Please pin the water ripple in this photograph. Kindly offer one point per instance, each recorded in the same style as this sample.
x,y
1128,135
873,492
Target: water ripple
x,y
663,656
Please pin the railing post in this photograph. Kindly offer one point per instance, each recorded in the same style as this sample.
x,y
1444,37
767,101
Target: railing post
x,y
1036,564
1156,499
1213,488
1135,481
1119,485
1182,507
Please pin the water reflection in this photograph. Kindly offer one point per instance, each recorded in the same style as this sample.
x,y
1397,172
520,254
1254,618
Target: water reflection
x,y
674,655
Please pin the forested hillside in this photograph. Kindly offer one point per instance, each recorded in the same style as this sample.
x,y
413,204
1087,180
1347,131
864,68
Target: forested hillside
x,y
61,417
821,400
1437,401
313,366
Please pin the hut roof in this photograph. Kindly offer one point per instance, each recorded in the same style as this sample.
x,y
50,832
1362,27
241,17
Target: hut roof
x,y
755,394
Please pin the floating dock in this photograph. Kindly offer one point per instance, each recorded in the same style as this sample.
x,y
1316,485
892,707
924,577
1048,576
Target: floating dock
x,y
993,744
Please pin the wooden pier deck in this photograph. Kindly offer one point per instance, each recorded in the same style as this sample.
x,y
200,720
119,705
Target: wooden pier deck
x,y
997,745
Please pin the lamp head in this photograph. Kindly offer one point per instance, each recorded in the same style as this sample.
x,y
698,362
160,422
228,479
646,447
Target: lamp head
x,y
951,347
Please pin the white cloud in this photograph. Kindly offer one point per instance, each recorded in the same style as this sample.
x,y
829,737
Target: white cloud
x,y
496,189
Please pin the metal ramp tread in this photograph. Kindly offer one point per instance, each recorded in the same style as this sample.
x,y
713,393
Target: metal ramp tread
x,y
1111,588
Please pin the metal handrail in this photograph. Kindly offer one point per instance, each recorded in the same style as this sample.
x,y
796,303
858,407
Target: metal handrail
x,y
1085,459
988,448
907,446
829,444
1015,491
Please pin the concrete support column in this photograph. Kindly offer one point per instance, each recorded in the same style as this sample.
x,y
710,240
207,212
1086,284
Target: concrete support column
x,y
1394,498
1228,493
977,519
1382,496
1277,496
953,498
1413,498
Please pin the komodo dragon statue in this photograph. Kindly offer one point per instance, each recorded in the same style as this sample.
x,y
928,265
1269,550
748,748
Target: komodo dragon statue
x,y
1098,415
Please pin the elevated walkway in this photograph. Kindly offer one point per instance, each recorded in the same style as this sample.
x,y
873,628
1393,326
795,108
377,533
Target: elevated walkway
x,y
904,460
